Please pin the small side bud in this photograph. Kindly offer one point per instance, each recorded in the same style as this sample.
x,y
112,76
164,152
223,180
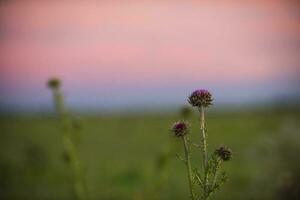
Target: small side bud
x,y
53,83
224,153
185,112
200,98
180,128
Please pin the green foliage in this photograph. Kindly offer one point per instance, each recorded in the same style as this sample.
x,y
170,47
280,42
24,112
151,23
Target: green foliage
x,y
132,142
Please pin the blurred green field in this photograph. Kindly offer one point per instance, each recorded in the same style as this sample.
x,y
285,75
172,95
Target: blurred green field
x,y
124,156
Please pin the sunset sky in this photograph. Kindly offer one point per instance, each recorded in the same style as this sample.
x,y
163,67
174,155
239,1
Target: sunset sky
x,y
116,54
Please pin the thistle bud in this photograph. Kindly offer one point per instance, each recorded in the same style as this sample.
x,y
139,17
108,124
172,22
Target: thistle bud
x,y
185,112
200,98
224,153
54,83
180,128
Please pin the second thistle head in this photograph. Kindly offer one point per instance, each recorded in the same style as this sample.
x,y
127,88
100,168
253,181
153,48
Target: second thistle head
x,y
200,98
54,83
180,128
224,153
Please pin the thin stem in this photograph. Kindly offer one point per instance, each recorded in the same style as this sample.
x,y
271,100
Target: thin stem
x,y
204,150
58,103
198,179
188,165
79,186
215,177
215,174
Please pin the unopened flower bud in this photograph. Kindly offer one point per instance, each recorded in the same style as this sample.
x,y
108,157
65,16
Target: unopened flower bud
x,y
185,112
224,153
54,83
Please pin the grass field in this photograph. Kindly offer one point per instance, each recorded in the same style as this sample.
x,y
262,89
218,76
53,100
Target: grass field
x,y
134,156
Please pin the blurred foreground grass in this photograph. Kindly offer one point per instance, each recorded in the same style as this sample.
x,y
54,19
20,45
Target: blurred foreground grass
x,y
120,153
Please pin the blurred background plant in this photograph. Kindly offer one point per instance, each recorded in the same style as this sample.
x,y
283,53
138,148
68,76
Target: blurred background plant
x,y
69,128
288,151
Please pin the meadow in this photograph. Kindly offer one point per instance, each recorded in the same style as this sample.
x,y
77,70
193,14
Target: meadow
x,y
133,156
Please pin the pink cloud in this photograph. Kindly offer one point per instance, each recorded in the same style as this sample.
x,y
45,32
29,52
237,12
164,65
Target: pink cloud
x,y
146,43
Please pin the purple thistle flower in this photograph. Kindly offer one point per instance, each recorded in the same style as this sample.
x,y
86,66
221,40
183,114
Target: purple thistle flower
x,y
180,128
200,98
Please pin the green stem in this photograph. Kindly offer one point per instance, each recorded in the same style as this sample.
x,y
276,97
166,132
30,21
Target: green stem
x,y
204,151
215,177
75,164
188,165
79,186
215,174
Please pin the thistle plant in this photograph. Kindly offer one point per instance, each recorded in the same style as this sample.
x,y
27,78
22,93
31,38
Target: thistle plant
x,y
202,184
180,130
70,155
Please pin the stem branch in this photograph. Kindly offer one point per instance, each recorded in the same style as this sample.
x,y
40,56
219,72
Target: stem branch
x,y
188,165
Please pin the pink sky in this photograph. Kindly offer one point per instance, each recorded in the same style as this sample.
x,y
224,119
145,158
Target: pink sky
x,y
131,47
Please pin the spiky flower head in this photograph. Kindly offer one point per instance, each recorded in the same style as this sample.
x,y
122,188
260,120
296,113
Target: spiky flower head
x,y
53,83
180,128
224,153
200,98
